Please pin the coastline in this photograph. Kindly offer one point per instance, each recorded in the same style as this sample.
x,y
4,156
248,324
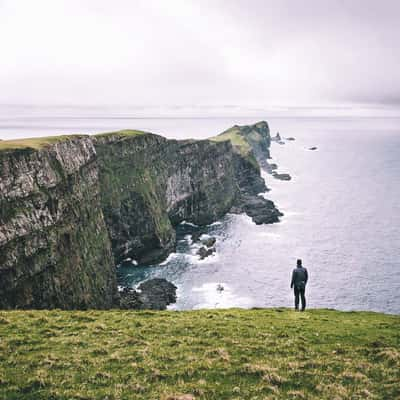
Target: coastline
x,y
83,204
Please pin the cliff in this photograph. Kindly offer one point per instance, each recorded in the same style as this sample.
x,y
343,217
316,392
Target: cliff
x,y
163,182
54,247
74,207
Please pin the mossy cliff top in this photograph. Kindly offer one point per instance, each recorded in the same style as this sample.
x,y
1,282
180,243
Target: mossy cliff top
x,y
207,354
240,137
125,133
35,143
247,139
38,143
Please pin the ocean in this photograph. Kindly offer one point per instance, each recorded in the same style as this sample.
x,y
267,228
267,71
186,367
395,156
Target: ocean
x,y
341,211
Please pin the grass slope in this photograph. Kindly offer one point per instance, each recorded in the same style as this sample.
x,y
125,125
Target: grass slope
x,y
239,143
34,143
224,354
123,133
38,143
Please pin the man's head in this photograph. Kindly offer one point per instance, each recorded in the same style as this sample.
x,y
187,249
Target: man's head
x,y
299,264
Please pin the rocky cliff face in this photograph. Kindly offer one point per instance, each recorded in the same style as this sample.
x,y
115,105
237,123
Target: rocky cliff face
x,y
149,184
54,247
74,207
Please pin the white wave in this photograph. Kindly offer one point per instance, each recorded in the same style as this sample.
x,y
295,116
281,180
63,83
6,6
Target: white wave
x,y
171,257
189,223
128,260
188,238
194,246
244,218
215,298
174,306
193,258
215,223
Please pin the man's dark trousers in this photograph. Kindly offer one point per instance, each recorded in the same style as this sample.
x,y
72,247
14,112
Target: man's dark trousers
x,y
299,293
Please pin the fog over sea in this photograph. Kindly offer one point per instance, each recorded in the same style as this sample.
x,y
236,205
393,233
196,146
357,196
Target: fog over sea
x,y
342,207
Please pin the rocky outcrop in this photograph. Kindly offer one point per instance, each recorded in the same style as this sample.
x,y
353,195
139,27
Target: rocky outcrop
x,y
281,177
154,294
251,148
205,252
209,242
74,207
261,210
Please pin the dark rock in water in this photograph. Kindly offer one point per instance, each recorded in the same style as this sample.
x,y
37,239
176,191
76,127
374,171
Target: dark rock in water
x,y
282,177
313,148
269,167
291,138
273,166
196,236
153,294
203,252
277,137
209,242
157,293
262,211
130,300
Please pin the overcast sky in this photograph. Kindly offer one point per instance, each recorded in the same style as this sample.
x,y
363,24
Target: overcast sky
x,y
172,52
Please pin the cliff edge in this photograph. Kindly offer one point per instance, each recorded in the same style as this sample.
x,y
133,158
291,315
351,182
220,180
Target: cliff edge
x,y
201,354
72,207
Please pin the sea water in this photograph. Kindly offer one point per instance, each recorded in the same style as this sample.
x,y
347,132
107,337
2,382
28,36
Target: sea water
x,y
342,213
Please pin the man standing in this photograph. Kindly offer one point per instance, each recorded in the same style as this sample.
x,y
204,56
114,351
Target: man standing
x,y
299,281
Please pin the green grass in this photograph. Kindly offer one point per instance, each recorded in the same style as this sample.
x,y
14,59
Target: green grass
x,y
239,143
40,142
233,134
226,354
34,143
124,132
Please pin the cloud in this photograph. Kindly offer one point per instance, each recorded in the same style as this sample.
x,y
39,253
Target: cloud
x,y
199,52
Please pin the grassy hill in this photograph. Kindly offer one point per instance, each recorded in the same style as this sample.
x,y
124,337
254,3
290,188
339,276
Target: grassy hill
x,y
224,354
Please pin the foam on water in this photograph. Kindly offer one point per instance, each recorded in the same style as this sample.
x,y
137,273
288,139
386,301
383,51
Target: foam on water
x,y
170,258
213,298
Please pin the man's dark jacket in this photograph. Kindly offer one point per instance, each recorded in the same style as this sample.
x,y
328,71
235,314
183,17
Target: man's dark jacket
x,y
299,278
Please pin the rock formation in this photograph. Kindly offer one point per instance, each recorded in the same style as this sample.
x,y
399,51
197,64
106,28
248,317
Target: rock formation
x,y
155,294
282,177
74,207
54,247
